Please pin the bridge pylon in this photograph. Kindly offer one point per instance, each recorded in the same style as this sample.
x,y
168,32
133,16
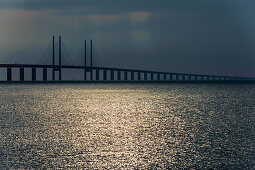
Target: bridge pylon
x,y
54,67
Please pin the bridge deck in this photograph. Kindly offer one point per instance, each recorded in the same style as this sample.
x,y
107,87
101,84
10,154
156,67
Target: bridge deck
x,y
56,67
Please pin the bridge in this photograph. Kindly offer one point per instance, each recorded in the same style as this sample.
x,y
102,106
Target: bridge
x,y
92,73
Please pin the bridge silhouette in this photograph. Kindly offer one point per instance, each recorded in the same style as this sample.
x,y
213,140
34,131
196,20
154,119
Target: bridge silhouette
x,y
92,73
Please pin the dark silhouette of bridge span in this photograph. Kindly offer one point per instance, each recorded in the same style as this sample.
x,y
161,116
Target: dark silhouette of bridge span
x,y
108,73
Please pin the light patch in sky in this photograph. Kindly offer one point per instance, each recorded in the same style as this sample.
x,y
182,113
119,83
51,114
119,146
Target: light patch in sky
x,y
138,16
102,19
141,39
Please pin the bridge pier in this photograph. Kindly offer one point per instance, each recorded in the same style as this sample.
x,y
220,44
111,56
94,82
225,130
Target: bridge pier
x,y
152,76
158,76
105,75
21,73
132,75
170,76
85,74
112,75
91,74
125,75
60,74
139,76
177,77
33,73
189,77
181,77
119,75
97,74
59,53
164,77
145,76
45,74
9,74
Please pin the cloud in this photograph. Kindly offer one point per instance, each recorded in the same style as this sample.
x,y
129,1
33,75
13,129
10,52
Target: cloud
x,y
138,16
167,35
102,19
121,6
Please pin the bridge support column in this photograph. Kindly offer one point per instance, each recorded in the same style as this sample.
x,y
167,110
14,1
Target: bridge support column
x,y
53,74
112,75
9,74
33,73
45,74
177,77
152,76
145,76
195,77
97,74
182,77
165,77
171,76
91,74
105,75
21,73
139,76
158,76
125,75
189,77
60,74
119,75
132,75
59,53
85,74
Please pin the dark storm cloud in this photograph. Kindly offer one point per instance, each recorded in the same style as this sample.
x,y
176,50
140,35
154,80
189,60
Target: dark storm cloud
x,y
120,6
198,36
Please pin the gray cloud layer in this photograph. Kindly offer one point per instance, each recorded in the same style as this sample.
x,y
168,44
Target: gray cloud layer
x,y
215,37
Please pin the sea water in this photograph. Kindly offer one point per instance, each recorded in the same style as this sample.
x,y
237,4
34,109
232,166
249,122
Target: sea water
x,y
127,125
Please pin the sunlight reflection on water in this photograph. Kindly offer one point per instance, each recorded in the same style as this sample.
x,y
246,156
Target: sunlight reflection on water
x,y
127,126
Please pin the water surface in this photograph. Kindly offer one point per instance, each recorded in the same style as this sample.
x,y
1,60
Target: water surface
x,y
165,125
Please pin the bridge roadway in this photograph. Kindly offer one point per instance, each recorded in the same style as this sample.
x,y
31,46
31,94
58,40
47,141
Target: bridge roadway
x,y
166,76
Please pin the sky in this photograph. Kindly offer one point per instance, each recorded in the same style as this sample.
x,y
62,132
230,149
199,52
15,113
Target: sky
x,y
188,36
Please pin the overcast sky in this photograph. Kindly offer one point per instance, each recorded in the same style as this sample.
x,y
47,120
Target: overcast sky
x,y
189,36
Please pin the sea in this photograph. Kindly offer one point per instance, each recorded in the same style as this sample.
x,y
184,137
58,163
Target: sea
x,y
127,126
